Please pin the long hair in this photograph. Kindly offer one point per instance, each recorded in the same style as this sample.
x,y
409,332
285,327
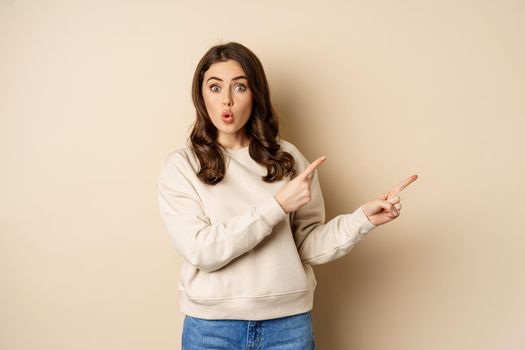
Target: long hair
x,y
262,126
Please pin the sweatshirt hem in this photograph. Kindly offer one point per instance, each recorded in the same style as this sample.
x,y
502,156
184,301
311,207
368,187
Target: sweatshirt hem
x,y
248,308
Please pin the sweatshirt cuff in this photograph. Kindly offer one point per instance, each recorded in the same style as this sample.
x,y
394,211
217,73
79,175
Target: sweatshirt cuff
x,y
271,212
364,223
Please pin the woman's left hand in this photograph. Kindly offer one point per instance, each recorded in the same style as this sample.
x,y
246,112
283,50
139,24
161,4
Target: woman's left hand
x,y
387,207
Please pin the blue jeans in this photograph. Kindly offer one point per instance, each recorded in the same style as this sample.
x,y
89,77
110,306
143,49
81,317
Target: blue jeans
x,y
285,333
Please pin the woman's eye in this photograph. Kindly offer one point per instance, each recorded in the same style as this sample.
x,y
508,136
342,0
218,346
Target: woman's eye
x,y
215,88
240,88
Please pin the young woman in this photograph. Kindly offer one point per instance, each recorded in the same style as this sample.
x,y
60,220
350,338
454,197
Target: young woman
x,y
245,211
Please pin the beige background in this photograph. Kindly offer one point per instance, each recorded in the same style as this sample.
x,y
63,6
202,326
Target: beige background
x,y
94,95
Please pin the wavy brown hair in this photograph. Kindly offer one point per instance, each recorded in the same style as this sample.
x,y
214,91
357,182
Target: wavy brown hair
x,y
262,126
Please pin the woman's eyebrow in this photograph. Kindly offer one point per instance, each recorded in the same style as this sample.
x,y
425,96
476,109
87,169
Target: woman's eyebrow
x,y
236,78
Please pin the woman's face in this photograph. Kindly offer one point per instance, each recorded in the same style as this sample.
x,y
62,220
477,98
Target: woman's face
x,y
228,100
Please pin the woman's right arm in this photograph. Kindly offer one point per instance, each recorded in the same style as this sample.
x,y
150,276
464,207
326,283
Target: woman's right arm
x,y
208,246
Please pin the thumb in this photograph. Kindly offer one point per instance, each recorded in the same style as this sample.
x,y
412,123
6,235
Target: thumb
x,y
376,206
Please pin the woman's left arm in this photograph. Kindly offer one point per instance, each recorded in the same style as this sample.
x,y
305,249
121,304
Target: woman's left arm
x,y
319,243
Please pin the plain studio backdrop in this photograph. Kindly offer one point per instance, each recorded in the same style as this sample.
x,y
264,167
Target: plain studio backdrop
x,y
95,94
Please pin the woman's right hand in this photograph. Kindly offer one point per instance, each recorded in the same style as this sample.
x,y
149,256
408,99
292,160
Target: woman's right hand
x,y
296,193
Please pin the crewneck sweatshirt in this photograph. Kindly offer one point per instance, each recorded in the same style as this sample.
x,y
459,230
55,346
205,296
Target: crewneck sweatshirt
x,y
243,256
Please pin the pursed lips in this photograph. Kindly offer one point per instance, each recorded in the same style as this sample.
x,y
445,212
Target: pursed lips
x,y
226,114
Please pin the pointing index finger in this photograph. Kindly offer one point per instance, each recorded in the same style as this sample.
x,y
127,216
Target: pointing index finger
x,y
402,185
312,167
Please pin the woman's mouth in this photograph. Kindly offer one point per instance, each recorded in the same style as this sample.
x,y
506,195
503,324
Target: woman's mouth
x,y
227,117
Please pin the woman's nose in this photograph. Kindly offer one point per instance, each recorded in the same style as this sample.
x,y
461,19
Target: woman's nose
x,y
227,99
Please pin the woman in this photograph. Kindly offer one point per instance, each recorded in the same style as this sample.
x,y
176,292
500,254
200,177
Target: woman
x,y
245,210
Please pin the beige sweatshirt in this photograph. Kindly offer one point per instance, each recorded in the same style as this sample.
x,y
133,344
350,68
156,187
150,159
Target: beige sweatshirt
x,y
244,257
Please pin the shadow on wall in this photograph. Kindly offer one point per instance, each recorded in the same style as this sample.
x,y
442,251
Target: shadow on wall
x,y
346,303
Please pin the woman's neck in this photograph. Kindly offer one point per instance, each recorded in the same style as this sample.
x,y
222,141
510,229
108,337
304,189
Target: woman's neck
x,y
234,144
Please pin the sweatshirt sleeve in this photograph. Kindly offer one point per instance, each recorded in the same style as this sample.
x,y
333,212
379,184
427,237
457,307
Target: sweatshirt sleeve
x,y
319,242
208,246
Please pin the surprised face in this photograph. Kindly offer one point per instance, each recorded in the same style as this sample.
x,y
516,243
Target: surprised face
x,y
228,100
